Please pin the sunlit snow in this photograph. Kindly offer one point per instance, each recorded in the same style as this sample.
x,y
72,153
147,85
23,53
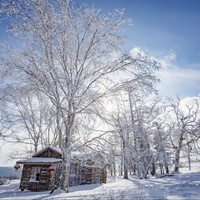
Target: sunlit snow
x,y
183,186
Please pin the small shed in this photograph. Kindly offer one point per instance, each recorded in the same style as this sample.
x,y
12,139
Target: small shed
x,y
42,171
87,168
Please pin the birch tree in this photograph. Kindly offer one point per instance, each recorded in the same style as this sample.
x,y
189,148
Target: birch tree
x,y
5,128
161,143
185,128
32,120
71,54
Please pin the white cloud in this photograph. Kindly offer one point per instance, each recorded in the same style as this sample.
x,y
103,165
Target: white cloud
x,y
182,82
190,103
186,74
136,51
175,80
167,61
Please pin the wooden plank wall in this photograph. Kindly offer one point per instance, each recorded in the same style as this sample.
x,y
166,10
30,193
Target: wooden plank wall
x,y
25,177
78,175
49,154
44,178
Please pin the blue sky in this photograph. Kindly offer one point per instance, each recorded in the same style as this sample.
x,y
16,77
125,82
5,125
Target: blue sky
x,y
167,25
169,30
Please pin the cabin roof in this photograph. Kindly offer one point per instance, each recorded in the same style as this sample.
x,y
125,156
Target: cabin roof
x,y
57,150
39,160
75,155
85,158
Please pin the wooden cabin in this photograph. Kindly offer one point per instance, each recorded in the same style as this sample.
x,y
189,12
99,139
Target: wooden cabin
x,y
87,168
42,171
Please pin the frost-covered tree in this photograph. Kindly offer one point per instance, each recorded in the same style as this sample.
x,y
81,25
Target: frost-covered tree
x,y
161,146
132,118
148,136
184,127
31,118
5,128
71,54
143,154
118,119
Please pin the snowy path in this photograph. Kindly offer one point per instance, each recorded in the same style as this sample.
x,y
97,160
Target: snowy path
x,y
180,187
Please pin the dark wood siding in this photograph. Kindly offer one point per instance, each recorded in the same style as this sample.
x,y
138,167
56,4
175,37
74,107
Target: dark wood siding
x,y
44,182
85,171
104,175
74,175
49,154
25,177
44,178
78,175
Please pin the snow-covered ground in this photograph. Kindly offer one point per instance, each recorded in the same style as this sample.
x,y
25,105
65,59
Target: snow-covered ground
x,y
183,186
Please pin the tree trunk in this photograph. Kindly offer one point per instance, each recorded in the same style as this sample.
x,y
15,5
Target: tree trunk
x,y
111,170
167,169
65,148
189,161
189,148
125,174
114,168
121,168
65,173
35,147
177,160
125,160
177,155
153,170
66,163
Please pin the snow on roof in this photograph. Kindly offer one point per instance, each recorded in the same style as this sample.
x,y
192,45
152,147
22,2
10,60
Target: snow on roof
x,y
83,157
38,160
75,155
44,149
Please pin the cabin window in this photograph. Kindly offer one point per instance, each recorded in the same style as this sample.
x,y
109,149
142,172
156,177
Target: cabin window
x,y
35,174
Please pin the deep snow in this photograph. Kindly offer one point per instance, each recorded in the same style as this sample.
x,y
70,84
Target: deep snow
x,y
183,186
